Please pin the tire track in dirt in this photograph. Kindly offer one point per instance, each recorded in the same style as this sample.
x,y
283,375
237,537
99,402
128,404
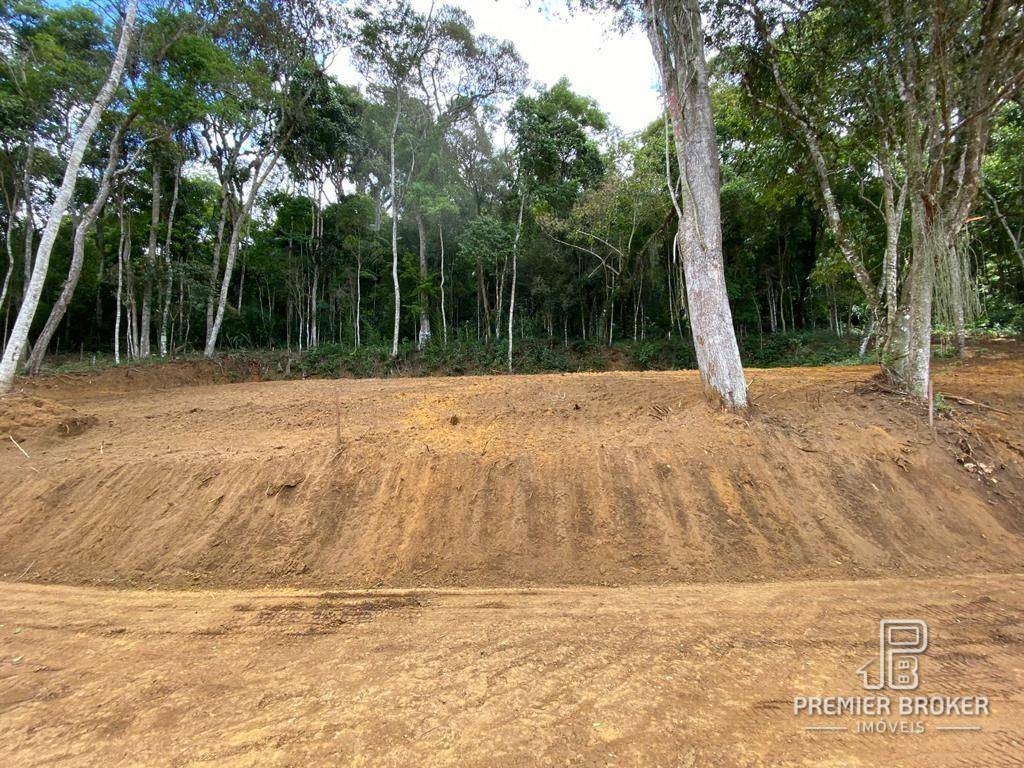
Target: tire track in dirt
x,y
643,676
618,478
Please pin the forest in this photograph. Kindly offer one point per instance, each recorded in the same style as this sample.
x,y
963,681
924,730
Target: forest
x,y
184,178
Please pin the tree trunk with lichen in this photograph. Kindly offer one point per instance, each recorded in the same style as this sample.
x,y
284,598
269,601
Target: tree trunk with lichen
x,y
677,39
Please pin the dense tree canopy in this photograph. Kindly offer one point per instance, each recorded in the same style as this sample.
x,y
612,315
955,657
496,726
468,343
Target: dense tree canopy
x,y
235,194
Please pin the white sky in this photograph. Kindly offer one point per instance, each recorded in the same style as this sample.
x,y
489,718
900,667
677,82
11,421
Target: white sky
x,y
616,70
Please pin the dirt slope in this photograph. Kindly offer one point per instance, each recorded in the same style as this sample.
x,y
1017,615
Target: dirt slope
x,y
607,478
683,677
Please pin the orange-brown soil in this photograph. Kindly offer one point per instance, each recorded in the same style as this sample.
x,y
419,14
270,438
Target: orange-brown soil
x,y
418,572
609,478
692,676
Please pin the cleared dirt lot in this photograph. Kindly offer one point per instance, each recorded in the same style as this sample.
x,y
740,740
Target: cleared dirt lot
x,y
610,478
639,676
584,570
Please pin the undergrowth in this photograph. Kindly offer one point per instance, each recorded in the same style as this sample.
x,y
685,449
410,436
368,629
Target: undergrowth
x,y
471,357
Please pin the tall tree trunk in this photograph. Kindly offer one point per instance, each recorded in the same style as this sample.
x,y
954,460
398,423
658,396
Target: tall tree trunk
x,y
942,156
499,298
10,255
677,38
120,287
225,285
19,335
165,315
515,270
893,209
359,297
150,266
131,308
218,246
394,231
423,337
444,314
241,289
958,300
313,313
29,220
100,269
482,295
922,281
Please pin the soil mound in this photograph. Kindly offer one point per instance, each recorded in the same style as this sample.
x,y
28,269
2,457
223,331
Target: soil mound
x,y
24,415
607,478
142,377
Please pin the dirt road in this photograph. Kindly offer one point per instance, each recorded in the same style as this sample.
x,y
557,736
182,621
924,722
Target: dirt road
x,y
638,676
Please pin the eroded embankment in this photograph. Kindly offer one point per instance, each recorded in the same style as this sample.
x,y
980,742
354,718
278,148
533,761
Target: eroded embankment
x,y
589,478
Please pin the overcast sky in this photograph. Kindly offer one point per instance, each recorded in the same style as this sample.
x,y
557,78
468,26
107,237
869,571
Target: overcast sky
x,y
616,70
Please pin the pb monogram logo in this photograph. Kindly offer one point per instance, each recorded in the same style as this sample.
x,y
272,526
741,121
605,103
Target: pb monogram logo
x,y
900,644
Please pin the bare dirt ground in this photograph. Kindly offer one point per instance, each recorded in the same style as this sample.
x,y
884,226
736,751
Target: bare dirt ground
x,y
502,571
613,478
699,675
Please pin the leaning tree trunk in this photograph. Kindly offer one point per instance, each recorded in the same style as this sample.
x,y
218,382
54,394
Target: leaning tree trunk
x,y
677,38
222,301
258,179
60,308
19,335
795,112
1015,239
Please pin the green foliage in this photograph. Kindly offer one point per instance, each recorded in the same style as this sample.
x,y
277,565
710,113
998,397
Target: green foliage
x,y
219,89
810,348
325,125
486,238
470,357
182,70
999,235
558,158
